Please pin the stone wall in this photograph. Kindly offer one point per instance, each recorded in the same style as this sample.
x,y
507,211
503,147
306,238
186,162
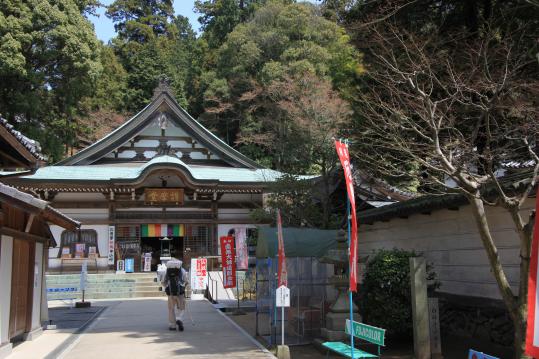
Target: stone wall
x,y
489,323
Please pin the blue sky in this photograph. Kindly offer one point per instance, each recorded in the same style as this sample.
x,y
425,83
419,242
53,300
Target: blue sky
x,y
105,29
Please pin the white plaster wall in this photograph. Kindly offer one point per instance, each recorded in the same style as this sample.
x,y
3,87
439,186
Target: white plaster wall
x,y
147,143
241,197
37,284
179,144
198,156
82,214
78,197
127,154
450,241
5,292
234,213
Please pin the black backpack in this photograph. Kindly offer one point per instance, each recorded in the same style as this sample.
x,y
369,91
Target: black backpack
x,y
175,285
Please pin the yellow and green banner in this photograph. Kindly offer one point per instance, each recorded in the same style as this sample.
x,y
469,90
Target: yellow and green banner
x,y
162,230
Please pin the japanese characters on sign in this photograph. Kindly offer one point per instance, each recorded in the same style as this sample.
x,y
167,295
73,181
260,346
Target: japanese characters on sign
x,y
229,265
147,262
199,273
163,195
282,297
112,236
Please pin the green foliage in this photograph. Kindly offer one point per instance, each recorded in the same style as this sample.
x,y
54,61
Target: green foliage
x,y
141,20
299,202
386,292
219,17
49,61
167,48
111,86
281,44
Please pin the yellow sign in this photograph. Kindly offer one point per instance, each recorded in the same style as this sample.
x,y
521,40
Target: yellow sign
x,y
163,196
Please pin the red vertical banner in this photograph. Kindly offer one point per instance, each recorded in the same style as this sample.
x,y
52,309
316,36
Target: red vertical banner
x,y
532,332
283,274
229,264
344,157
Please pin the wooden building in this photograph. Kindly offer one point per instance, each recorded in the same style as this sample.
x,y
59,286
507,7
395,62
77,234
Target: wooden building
x,y
24,237
159,175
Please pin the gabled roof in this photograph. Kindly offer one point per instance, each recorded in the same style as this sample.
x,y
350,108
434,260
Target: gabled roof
x,y
19,150
163,98
34,205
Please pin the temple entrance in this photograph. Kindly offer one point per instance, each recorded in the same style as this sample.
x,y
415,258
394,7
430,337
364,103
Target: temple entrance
x,y
148,245
162,247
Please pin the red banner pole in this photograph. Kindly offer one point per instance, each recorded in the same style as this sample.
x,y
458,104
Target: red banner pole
x,y
532,332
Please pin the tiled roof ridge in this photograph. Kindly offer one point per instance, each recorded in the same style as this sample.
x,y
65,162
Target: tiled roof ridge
x,y
386,186
518,164
31,145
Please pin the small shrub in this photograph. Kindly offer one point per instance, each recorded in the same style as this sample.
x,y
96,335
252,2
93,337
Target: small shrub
x,y
386,294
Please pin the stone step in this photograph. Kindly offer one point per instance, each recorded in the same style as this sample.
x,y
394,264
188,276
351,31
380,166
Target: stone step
x,y
113,289
102,276
107,285
107,295
105,282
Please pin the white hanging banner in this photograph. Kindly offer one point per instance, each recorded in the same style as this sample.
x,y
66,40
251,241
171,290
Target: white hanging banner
x,y
199,273
112,236
242,251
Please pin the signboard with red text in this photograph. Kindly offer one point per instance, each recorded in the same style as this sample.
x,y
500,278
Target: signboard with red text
x,y
229,263
199,273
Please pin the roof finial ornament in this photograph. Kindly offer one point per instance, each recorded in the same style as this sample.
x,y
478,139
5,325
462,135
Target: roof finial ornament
x,y
162,86
162,121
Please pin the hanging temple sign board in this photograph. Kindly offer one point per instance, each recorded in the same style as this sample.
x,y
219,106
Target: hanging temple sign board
x,y
163,196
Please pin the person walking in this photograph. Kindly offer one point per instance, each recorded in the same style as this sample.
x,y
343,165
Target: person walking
x,y
174,283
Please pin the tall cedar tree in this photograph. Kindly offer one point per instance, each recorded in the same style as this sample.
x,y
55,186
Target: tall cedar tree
x,y
49,61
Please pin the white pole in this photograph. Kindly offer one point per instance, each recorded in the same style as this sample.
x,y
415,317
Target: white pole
x,y
282,322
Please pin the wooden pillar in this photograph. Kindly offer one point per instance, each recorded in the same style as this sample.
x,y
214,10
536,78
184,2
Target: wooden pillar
x,y
215,217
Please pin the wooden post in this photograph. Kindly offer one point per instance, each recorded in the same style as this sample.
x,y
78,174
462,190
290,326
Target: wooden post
x,y
420,309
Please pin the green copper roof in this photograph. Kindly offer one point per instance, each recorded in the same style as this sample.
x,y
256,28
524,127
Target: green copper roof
x,y
119,173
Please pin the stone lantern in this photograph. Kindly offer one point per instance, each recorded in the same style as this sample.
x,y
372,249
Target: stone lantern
x,y
339,311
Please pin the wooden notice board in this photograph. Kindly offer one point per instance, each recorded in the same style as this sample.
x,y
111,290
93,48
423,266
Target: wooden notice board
x,y
163,196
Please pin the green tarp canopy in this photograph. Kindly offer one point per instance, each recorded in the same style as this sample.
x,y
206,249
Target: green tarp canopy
x,y
298,242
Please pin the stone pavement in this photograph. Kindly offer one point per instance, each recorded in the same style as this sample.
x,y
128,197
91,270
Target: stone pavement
x,y
139,329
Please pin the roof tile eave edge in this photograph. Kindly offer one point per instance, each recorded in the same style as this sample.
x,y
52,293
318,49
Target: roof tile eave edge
x,y
427,203
216,141
73,160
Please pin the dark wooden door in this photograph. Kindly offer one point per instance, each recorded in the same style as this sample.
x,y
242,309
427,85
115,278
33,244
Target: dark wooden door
x,y
21,287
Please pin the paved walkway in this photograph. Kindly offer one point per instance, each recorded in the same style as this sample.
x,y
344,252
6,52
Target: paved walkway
x,y
139,329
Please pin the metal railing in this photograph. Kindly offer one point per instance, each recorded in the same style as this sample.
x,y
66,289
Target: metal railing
x,y
212,289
